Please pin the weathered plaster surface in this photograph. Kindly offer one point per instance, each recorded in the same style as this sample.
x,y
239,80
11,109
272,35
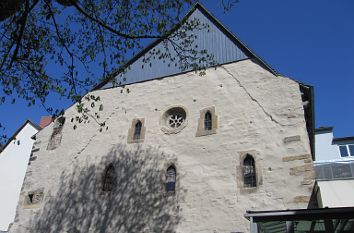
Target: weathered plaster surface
x,y
256,112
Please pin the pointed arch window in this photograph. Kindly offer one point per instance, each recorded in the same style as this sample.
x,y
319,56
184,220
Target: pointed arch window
x,y
136,133
55,138
137,130
171,179
207,121
249,172
109,179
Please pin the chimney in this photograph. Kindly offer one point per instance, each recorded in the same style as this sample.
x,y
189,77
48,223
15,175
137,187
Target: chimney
x,y
45,121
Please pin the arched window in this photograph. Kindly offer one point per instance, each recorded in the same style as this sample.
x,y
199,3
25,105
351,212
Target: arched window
x,y
171,179
55,138
109,179
249,172
207,121
137,130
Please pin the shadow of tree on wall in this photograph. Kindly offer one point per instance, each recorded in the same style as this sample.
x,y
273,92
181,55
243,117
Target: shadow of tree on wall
x,y
137,203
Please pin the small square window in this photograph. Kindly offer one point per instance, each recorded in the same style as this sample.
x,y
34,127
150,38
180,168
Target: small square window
x,y
33,198
351,150
343,151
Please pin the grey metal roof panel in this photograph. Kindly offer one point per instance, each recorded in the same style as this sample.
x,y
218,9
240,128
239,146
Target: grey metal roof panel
x,y
210,38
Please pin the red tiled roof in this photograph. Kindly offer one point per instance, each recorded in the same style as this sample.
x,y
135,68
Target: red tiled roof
x,y
45,121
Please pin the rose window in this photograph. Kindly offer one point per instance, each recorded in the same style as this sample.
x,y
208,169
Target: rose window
x,y
174,120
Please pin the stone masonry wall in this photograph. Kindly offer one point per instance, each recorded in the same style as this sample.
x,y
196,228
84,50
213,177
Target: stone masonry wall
x,y
257,113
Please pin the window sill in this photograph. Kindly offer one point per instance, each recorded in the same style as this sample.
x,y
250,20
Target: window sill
x,y
205,132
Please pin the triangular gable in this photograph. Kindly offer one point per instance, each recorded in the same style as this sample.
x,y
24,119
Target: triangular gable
x,y
18,131
215,39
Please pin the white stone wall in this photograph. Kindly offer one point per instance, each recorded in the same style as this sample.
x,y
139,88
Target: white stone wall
x,y
13,164
257,113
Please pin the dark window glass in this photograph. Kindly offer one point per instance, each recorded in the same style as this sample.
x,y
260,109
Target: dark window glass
x,y
171,179
351,150
343,151
109,178
137,130
207,121
249,172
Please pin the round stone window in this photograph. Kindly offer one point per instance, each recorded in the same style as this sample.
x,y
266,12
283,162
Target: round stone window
x,y
174,120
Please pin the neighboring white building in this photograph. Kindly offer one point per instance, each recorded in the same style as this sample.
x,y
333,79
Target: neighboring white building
x,y
334,167
329,148
14,159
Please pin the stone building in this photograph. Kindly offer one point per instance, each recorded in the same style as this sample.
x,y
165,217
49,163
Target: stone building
x,y
179,152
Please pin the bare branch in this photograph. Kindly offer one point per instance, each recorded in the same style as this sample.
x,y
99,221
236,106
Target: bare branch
x,y
80,9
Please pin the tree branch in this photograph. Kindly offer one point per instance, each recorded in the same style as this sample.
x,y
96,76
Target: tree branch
x,y
81,10
23,21
64,45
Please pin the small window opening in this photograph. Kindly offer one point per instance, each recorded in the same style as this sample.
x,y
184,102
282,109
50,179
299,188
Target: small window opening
x,y
34,198
207,121
60,121
137,130
343,151
351,150
249,172
109,179
171,179
55,138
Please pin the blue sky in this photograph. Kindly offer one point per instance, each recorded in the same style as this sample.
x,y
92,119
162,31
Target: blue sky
x,y
311,41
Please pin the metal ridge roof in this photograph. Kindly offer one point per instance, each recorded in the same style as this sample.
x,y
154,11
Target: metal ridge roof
x,y
215,21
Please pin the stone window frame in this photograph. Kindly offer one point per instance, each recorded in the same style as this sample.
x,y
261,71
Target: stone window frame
x,y
168,130
239,172
131,131
164,178
56,133
27,204
201,131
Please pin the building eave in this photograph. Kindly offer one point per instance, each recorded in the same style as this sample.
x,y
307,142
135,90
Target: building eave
x,y
301,214
343,140
18,131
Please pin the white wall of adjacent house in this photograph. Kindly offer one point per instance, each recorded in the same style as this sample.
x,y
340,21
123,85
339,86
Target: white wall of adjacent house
x,y
13,164
324,148
336,193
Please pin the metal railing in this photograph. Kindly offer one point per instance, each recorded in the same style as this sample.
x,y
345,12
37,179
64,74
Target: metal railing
x,y
334,170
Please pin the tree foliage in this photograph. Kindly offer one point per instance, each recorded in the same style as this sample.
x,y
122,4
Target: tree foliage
x,y
59,46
